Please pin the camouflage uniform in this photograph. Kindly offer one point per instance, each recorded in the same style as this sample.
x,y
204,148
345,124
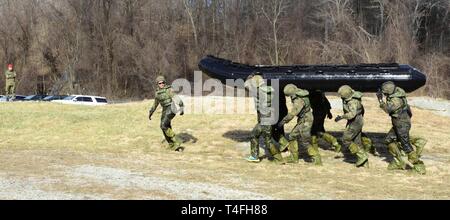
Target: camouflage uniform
x,y
165,98
397,107
263,96
354,114
418,143
368,145
321,109
10,89
301,109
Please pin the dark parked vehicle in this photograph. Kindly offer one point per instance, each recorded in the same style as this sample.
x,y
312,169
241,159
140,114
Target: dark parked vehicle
x,y
32,98
19,98
54,97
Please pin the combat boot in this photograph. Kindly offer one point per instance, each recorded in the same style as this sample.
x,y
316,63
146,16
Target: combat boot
x,y
317,160
314,153
419,143
337,147
170,138
284,144
360,154
398,163
277,157
293,149
333,141
363,159
315,141
177,145
419,166
368,146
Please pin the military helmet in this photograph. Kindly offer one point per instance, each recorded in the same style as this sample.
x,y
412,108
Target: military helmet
x,y
259,80
388,88
254,81
290,90
160,79
346,92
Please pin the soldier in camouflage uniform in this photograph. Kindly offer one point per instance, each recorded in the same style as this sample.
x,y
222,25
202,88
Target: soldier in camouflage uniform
x,y
263,96
301,110
397,107
10,83
321,109
354,114
166,98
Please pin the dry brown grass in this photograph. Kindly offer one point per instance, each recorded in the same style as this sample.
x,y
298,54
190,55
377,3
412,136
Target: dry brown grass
x,y
47,146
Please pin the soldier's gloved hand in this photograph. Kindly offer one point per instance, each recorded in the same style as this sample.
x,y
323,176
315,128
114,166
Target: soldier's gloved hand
x,y
330,116
338,118
380,96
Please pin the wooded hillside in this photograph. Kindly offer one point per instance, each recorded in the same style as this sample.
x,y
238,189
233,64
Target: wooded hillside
x,y
116,47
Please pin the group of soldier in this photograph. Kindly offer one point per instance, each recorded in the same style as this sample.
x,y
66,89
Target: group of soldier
x,y
311,109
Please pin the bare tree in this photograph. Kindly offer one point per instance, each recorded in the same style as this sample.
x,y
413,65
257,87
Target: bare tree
x,y
115,48
272,11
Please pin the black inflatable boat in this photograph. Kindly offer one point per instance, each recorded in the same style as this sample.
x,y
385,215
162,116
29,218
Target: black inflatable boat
x,y
328,78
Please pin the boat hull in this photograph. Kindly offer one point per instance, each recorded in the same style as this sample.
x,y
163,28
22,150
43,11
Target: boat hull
x,y
327,78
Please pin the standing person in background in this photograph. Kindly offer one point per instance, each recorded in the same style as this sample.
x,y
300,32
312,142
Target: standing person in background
x,y
10,90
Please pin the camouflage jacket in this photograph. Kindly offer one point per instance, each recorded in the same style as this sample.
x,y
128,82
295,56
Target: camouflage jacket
x,y
301,106
353,107
396,103
164,97
10,75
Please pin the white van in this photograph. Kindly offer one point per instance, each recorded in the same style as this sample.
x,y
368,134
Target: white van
x,y
83,100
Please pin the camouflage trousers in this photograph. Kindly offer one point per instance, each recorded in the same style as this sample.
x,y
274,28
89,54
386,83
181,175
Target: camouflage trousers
x,y
264,131
353,134
10,90
302,130
400,132
302,134
166,127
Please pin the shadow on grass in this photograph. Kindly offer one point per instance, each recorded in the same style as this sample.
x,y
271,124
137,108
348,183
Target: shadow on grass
x,y
238,135
187,138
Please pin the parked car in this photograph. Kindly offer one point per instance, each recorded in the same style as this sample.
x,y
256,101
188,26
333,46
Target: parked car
x,y
34,98
83,100
19,98
54,98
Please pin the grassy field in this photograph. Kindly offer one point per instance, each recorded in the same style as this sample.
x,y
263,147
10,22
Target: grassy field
x,y
52,151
